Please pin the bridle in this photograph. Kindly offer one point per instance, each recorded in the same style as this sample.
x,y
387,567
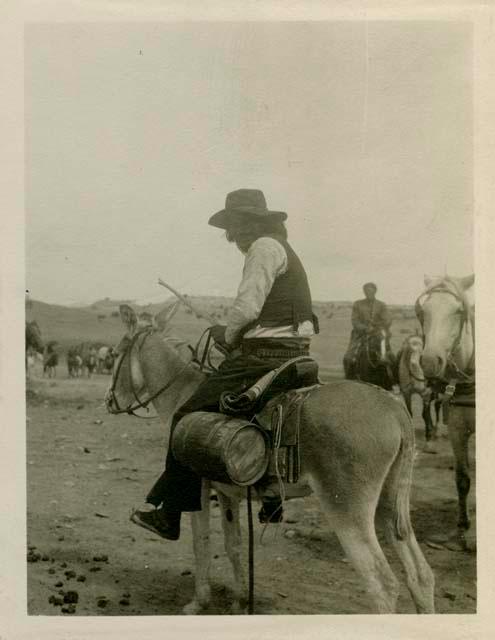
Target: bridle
x,y
139,403
465,320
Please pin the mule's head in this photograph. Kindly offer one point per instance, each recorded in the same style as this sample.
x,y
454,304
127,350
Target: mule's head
x,y
444,313
128,383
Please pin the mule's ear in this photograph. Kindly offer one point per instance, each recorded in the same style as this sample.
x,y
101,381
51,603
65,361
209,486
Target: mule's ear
x,y
467,282
428,280
128,317
164,316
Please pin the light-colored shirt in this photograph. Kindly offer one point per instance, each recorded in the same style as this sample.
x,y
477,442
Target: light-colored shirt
x,y
266,259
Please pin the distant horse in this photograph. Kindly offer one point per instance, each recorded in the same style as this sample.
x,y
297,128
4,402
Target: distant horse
x,y
105,359
90,363
373,363
88,353
33,343
74,364
412,381
50,360
101,355
109,361
446,312
356,451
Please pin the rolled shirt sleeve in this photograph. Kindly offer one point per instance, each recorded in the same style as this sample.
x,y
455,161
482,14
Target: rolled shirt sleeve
x,y
265,260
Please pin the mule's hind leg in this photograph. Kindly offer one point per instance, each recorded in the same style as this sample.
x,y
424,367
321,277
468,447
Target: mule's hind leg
x,y
355,530
200,521
392,514
232,533
359,541
419,576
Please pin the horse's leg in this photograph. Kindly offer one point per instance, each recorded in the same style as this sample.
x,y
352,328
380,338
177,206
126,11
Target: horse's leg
x,y
200,521
232,533
459,433
444,407
430,428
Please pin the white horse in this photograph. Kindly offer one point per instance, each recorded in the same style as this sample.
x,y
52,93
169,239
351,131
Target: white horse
x,y
412,381
357,452
446,310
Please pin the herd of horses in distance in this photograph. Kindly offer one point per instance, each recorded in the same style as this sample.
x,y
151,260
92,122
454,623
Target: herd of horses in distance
x,y
438,364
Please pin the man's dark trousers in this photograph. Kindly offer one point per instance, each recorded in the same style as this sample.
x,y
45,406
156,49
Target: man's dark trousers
x,y
179,488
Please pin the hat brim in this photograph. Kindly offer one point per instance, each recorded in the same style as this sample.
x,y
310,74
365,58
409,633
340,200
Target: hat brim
x,y
221,218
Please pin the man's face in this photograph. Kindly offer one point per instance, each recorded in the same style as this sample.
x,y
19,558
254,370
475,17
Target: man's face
x,y
369,292
242,234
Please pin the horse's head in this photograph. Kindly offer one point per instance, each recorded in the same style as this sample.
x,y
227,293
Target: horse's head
x,y
375,346
128,384
444,311
413,349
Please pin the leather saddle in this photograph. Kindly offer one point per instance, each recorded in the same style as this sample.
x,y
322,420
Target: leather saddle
x,y
274,402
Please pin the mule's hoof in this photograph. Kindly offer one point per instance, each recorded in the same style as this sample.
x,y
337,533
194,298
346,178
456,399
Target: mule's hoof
x,y
430,447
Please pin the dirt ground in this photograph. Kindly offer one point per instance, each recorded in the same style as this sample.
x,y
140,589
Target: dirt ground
x,y
87,469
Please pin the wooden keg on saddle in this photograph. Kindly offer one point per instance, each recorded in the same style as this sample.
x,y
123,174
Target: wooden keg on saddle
x,y
221,448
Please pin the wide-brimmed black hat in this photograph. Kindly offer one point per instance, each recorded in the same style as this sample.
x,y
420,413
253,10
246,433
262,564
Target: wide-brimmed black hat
x,y
244,202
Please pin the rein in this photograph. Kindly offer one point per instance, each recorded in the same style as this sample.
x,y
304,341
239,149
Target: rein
x,y
140,404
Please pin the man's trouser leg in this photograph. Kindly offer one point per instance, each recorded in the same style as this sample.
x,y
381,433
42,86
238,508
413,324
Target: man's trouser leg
x,y
178,488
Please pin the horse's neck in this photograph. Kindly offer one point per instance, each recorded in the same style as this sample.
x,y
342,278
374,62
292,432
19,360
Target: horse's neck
x,y
161,364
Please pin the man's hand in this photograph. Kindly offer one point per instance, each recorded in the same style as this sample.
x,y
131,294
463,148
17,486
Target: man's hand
x,y
217,332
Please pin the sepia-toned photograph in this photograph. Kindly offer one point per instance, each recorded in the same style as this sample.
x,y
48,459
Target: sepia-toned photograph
x,y
250,318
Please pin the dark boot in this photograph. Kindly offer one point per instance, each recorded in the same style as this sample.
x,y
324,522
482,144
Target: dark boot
x,y
166,524
271,510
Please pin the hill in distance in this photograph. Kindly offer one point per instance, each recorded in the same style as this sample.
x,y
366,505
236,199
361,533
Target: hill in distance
x,y
100,323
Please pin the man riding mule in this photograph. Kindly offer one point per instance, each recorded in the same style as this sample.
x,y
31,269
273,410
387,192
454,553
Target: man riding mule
x,y
370,336
270,322
356,452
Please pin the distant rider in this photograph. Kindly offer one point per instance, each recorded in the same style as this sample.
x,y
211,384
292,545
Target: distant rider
x,y
369,316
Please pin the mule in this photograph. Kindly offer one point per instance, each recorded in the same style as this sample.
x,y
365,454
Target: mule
x,y
373,363
412,381
446,312
357,454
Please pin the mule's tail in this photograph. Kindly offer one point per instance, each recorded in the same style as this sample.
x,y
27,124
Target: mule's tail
x,y
399,479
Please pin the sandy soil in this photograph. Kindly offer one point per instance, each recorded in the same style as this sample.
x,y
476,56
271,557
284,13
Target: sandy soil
x,y
87,469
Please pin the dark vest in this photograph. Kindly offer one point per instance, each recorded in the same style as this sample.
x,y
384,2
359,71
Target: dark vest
x,y
289,301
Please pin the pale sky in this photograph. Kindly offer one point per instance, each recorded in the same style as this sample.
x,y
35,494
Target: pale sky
x,y
135,133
